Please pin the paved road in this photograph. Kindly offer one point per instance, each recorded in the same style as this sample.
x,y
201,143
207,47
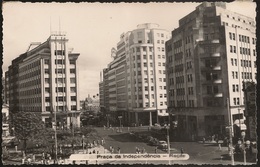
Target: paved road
x,y
199,153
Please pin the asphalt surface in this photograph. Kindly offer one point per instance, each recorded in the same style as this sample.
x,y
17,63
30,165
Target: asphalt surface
x,y
199,153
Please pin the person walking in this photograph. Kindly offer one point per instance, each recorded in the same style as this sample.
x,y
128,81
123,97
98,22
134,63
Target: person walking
x,y
181,151
155,150
118,150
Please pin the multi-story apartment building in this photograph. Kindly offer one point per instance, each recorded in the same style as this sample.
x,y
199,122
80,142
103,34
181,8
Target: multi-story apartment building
x,y
135,81
209,55
45,80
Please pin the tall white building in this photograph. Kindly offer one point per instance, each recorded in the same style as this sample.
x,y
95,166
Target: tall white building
x,y
47,81
135,81
209,56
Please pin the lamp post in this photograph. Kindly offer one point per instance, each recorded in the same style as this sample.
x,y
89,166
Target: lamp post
x,y
120,128
83,143
230,133
243,134
168,140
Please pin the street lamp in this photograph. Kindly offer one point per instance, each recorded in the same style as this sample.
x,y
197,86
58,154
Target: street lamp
x,y
168,137
243,134
120,128
83,143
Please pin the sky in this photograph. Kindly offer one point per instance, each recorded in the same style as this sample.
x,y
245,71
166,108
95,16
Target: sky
x,y
92,29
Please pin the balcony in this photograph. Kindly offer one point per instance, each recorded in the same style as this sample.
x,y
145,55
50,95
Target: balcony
x,y
207,55
218,95
212,68
217,81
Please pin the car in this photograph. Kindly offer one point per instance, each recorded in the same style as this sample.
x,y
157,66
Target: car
x,y
154,142
162,145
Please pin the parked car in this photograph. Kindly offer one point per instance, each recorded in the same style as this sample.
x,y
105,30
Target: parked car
x,y
162,145
154,142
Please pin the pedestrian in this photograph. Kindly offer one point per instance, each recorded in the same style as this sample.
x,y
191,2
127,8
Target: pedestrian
x,y
155,150
102,142
143,150
128,129
112,150
219,146
94,151
118,150
136,150
104,127
203,140
98,142
181,151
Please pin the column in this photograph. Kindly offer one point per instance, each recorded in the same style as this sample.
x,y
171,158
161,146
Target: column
x,y
151,119
136,118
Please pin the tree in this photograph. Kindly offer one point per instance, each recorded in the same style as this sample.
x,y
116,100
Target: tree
x,y
27,125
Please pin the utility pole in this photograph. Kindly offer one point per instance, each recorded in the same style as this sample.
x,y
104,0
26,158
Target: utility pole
x,y
55,130
230,133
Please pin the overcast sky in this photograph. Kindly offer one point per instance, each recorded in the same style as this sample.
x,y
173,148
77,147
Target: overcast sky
x,y
92,28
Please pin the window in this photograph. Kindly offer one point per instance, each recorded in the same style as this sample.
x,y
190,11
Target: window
x,y
234,101
46,61
159,64
162,35
238,101
72,80
151,88
72,71
72,89
237,88
59,61
231,49
151,80
236,75
234,49
162,41
46,71
235,62
144,56
145,80
159,56
232,63
161,95
72,62
137,49
160,71
234,36
151,64
47,80
151,56
233,75
146,88
163,56
73,107
151,72
161,103
47,90
47,99
230,35
234,88
145,64
144,49
158,41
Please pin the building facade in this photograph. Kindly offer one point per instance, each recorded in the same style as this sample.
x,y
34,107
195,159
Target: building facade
x,y
135,81
45,80
209,56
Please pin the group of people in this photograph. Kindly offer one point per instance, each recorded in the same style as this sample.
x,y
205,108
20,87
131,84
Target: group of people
x,y
112,150
140,151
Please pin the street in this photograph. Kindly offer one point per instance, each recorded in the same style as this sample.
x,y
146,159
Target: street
x,y
199,153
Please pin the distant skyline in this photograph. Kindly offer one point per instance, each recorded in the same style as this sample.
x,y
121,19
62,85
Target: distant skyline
x,y
92,29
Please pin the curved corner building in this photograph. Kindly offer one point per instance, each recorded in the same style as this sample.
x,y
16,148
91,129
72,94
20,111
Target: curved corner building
x,y
135,81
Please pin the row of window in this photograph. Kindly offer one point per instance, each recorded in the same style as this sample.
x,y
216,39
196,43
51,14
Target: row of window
x,y
180,91
138,49
30,92
72,80
30,83
236,101
30,74
212,89
61,108
61,99
72,89
29,67
239,19
30,101
162,41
